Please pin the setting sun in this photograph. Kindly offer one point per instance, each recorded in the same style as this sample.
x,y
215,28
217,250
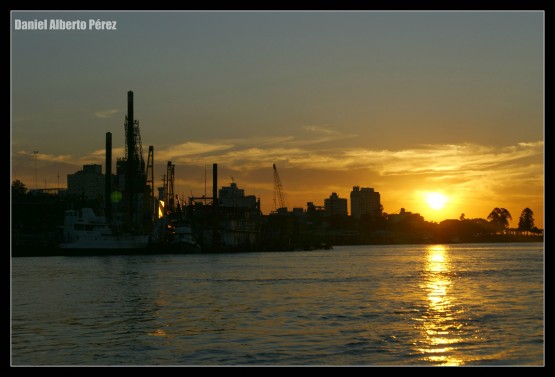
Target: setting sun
x,y
436,200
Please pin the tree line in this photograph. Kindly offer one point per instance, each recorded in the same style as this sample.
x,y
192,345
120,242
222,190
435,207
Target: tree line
x,y
500,217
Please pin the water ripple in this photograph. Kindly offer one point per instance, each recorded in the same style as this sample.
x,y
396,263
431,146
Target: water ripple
x,y
357,305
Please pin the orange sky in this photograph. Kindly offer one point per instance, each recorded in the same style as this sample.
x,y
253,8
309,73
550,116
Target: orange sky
x,y
404,102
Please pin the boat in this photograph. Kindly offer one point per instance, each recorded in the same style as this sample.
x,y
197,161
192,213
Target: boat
x,y
182,240
85,233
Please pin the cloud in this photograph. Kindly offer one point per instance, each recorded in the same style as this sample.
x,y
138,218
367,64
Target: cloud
x,y
466,168
64,158
106,113
259,141
95,157
321,134
323,129
190,150
315,134
435,160
440,158
439,162
473,174
98,156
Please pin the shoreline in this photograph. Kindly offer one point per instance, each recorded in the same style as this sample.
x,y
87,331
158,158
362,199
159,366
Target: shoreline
x,y
42,250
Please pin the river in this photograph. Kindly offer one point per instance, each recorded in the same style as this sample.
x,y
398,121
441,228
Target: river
x,y
463,304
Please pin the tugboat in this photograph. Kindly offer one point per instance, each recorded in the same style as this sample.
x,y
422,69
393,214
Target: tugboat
x,y
182,239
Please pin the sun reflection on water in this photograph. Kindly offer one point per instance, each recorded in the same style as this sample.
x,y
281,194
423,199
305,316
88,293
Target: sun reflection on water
x,y
440,325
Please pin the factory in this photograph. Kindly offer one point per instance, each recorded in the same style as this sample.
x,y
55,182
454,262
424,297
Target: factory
x,y
120,212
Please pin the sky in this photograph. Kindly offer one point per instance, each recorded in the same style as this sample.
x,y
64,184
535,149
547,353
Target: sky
x,y
408,103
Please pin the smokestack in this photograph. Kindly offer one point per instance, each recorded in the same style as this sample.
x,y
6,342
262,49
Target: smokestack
x,y
130,106
130,131
108,184
130,143
215,184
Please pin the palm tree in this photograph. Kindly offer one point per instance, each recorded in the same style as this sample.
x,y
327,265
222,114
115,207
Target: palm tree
x,y
499,218
526,220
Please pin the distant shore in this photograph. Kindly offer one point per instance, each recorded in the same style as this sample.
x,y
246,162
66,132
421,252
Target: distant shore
x,y
43,249
403,239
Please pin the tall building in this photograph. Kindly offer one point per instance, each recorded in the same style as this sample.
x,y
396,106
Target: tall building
x,y
364,200
89,182
335,206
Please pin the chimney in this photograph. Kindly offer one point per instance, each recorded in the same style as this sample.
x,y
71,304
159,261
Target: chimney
x,y
108,183
130,143
215,184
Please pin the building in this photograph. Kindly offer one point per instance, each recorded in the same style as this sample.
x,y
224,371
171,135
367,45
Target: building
x,y
88,183
232,196
335,206
364,200
312,209
404,216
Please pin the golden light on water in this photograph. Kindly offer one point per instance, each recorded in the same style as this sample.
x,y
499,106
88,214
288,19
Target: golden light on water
x,y
437,259
440,324
159,332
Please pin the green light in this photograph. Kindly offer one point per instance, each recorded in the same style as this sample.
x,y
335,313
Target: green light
x,y
116,196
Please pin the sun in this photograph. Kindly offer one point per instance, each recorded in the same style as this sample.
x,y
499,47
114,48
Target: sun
x,y
436,200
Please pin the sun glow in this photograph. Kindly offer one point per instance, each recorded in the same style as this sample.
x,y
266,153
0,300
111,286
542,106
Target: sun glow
x,y
436,200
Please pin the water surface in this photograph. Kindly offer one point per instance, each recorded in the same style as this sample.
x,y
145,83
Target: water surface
x,y
470,304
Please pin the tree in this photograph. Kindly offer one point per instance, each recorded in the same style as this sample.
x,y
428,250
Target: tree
x,y
18,188
499,218
536,231
526,220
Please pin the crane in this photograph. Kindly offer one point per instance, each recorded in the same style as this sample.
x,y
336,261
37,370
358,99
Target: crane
x,y
279,195
169,185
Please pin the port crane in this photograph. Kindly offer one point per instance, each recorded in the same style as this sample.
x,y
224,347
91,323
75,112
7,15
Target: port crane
x,y
279,195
